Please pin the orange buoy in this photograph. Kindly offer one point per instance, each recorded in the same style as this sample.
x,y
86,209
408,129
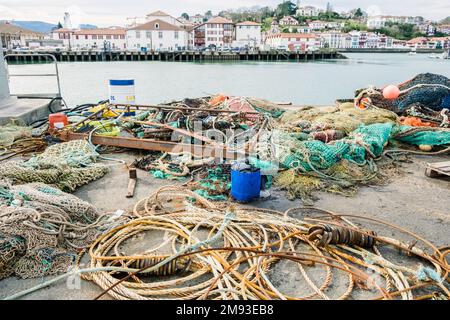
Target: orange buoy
x,y
391,92
364,103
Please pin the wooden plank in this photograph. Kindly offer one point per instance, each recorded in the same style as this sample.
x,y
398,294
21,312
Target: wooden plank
x,y
438,169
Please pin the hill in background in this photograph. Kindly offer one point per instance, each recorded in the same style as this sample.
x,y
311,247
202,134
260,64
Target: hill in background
x,y
43,27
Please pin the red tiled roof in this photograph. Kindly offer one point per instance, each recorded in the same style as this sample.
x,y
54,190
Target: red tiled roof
x,y
248,23
104,31
158,13
298,35
219,20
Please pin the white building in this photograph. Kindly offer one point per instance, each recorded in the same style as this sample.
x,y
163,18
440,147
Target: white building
x,y
293,41
322,25
332,40
197,19
216,32
376,22
444,28
103,39
248,34
308,11
160,15
13,36
288,21
157,35
65,35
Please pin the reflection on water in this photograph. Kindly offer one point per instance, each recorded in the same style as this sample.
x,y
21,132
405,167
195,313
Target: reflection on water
x,y
314,82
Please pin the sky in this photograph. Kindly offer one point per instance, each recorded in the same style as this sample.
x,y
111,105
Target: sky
x,y
114,12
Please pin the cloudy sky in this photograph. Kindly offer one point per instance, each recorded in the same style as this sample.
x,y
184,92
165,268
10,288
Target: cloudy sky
x,y
115,12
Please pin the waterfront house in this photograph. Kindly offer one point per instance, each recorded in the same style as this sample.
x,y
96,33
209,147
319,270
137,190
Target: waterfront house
x,y
248,34
65,35
101,39
332,39
13,36
217,32
157,35
293,41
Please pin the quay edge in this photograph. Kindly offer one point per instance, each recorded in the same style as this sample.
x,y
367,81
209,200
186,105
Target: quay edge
x,y
184,56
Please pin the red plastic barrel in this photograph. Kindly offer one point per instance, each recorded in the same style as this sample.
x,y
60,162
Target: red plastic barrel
x,y
57,121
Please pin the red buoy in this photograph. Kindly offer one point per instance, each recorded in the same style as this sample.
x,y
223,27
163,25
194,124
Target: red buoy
x,y
391,92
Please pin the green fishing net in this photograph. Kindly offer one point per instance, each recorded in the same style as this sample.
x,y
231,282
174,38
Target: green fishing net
x,y
66,166
428,137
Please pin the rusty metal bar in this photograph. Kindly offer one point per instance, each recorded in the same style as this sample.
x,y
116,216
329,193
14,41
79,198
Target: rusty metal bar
x,y
180,108
155,145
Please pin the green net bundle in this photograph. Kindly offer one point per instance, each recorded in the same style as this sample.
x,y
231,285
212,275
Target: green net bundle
x,y
317,155
420,136
66,165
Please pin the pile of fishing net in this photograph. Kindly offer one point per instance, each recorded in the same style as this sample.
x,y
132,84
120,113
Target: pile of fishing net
x,y
222,252
11,133
339,166
66,166
42,229
427,89
344,118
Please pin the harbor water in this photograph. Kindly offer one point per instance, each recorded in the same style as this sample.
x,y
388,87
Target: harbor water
x,y
302,83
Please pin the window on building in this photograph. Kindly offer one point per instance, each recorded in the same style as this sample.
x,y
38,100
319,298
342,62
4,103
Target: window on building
x,y
108,37
100,37
160,34
122,36
176,35
156,25
94,37
138,34
76,37
148,34
116,36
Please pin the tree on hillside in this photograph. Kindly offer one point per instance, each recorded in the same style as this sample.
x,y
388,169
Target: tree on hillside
x,y
208,14
286,8
60,26
445,21
329,16
354,25
358,13
185,16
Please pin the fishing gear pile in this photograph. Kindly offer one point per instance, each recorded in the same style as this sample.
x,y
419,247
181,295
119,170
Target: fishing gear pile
x,y
42,229
217,251
66,166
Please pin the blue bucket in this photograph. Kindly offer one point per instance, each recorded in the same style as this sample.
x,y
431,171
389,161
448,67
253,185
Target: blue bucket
x,y
245,185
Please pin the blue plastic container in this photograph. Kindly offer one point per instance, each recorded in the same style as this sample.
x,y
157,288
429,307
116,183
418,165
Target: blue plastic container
x,y
446,102
245,185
